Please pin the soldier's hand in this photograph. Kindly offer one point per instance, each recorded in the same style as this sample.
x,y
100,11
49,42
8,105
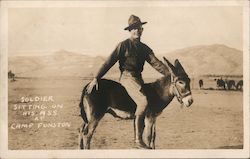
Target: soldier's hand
x,y
91,85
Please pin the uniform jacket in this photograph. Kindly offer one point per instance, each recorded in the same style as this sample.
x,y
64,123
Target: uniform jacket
x,y
132,55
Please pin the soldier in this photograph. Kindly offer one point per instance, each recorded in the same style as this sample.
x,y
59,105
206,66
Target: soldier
x,y
132,54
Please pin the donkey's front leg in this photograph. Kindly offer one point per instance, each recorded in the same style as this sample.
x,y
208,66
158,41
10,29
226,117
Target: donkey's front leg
x,y
152,145
149,131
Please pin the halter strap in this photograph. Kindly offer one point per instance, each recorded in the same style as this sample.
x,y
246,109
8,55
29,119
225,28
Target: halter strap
x,y
177,93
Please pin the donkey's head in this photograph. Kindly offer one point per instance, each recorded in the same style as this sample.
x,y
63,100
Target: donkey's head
x,y
180,83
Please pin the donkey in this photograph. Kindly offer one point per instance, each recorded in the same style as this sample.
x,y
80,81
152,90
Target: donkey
x,y
111,97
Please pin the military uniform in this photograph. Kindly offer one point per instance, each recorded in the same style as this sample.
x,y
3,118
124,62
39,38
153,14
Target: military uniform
x,y
132,55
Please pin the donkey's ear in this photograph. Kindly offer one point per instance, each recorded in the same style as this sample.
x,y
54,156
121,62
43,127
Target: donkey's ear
x,y
179,67
170,66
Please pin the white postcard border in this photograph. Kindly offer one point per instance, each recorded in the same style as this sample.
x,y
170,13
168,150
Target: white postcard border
x,y
175,153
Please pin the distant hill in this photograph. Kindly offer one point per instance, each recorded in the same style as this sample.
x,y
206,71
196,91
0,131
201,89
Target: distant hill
x,y
197,60
209,60
61,63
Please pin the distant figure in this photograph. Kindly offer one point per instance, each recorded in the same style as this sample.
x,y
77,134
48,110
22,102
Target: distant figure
x,y
230,84
221,83
239,85
201,83
11,76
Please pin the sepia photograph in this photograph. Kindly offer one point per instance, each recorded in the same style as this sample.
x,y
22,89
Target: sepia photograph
x,y
135,79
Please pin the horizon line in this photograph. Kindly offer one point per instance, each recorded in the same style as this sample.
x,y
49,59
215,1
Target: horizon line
x,y
51,52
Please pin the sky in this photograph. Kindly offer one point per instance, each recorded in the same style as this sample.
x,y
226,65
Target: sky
x,y
97,30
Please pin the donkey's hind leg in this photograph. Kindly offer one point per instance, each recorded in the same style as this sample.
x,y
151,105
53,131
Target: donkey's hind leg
x,y
88,132
81,136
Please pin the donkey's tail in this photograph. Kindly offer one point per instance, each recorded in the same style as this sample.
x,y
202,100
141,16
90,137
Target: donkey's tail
x,y
81,105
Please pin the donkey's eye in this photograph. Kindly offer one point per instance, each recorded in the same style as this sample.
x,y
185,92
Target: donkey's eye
x,y
181,82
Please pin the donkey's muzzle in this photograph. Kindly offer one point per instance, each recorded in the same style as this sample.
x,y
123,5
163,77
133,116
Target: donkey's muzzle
x,y
188,100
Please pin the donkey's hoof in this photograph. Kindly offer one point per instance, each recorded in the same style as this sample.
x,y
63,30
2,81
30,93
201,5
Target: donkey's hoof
x,y
81,145
142,145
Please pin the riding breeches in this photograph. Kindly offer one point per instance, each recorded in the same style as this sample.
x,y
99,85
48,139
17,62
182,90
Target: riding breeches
x,y
133,85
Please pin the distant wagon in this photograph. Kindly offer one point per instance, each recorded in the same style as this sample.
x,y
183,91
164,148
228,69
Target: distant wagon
x,y
230,84
239,85
220,83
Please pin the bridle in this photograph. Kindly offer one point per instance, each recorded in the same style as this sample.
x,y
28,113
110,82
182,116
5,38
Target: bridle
x,y
177,93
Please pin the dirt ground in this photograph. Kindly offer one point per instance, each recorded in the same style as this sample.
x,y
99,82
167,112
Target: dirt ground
x,y
214,121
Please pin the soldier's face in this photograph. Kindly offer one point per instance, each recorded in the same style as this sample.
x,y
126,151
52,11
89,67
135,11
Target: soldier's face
x,y
136,32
